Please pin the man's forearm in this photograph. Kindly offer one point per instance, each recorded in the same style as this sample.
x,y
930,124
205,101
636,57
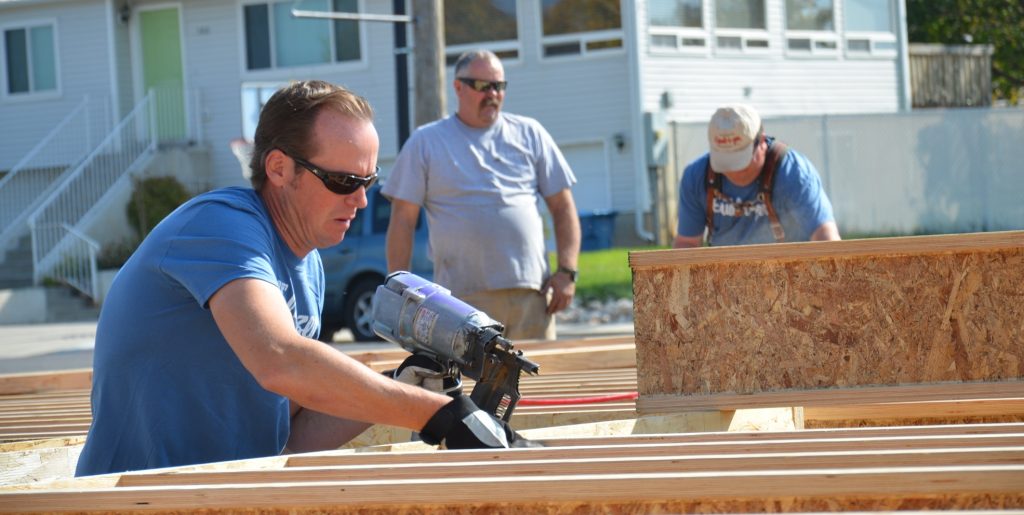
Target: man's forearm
x,y
567,236
827,231
399,247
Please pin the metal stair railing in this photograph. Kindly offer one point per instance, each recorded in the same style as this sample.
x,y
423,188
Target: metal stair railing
x,y
128,147
77,267
35,175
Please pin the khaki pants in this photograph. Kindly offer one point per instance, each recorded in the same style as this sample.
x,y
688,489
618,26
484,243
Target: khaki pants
x,y
521,311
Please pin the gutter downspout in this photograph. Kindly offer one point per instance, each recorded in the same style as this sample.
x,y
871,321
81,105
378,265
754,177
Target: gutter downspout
x,y
115,87
642,202
905,100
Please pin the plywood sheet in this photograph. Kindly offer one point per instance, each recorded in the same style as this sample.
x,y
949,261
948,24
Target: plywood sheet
x,y
809,316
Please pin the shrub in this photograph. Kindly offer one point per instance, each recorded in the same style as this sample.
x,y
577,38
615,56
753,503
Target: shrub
x,y
153,199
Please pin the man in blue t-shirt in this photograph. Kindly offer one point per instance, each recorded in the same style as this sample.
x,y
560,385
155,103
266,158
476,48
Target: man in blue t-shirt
x,y
206,348
750,188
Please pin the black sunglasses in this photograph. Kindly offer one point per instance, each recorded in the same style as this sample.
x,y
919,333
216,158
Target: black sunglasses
x,y
342,183
484,85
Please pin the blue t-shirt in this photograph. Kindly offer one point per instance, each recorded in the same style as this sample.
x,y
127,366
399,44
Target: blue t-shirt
x,y
167,388
797,196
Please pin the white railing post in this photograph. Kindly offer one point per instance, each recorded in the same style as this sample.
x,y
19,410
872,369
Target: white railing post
x,y
151,98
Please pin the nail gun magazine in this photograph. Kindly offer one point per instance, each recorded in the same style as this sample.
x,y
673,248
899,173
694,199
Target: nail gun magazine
x,y
424,318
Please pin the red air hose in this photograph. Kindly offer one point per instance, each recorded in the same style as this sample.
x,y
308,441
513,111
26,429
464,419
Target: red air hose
x,y
578,400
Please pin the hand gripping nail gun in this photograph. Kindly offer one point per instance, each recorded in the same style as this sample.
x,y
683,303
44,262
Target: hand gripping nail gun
x,y
424,318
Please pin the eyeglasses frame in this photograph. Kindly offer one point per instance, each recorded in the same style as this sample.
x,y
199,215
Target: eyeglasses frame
x,y
347,178
498,86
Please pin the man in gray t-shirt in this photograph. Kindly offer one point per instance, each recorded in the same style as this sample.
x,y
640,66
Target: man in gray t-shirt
x,y
479,173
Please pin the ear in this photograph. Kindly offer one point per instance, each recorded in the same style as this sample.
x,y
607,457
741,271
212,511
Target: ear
x,y
279,167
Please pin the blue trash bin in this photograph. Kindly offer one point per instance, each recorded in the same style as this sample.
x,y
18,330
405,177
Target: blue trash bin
x,y
597,228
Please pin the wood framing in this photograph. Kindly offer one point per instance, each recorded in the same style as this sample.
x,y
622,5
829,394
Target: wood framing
x,y
747,326
940,467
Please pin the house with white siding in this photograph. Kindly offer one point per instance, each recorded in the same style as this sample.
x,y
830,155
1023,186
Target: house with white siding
x,y
95,92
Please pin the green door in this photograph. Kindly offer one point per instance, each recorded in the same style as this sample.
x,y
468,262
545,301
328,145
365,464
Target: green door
x,y
162,70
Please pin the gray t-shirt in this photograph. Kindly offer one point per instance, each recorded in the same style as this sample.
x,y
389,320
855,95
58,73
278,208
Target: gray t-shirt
x,y
480,189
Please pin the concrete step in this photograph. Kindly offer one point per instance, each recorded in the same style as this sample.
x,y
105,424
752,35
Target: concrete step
x,y
65,304
16,268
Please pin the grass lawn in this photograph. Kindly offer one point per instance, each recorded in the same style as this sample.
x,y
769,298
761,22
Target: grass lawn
x,y
605,274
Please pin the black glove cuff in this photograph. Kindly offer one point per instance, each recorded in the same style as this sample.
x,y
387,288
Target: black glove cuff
x,y
439,425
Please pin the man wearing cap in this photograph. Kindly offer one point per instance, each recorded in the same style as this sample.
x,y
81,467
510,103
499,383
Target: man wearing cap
x,y
750,189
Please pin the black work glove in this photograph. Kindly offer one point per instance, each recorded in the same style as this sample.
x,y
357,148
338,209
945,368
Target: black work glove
x,y
460,424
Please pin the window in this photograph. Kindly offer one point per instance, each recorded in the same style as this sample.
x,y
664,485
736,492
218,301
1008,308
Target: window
x,y
30,54
575,27
810,28
868,16
741,26
740,14
675,13
254,97
463,30
809,15
276,39
869,28
677,25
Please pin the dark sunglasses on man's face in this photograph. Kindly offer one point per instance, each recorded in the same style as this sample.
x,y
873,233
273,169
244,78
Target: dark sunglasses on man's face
x,y
484,85
342,183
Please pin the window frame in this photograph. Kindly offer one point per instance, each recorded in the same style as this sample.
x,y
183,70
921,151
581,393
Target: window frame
x,y
502,48
275,71
583,38
873,37
745,35
679,34
814,37
31,94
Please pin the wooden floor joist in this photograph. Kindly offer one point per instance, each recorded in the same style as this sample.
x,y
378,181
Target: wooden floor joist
x,y
949,467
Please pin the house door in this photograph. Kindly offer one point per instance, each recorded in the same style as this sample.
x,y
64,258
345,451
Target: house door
x,y
162,70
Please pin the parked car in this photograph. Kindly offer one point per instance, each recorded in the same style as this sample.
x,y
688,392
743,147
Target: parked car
x,y
355,267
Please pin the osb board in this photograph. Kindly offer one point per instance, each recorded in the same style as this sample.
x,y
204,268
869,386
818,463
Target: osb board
x,y
806,316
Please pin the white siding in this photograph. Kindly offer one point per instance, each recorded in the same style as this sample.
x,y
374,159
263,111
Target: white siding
x,y
775,82
83,69
215,67
211,32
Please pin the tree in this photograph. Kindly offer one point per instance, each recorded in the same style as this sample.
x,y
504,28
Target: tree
x,y
999,23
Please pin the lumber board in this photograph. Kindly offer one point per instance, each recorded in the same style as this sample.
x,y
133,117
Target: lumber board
x,y
977,487
923,467
638,463
35,382
832,396
968,411
817,316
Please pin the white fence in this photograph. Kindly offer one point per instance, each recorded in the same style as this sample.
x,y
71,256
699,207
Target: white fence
x,y
926,171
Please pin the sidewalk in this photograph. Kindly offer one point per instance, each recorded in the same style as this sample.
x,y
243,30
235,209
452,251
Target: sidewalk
x,y
64,346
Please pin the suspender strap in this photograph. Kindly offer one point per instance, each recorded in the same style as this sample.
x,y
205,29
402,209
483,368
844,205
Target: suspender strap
x,y
714,184
776,152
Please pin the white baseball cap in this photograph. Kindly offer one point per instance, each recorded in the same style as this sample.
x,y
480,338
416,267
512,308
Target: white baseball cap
x,y
731,134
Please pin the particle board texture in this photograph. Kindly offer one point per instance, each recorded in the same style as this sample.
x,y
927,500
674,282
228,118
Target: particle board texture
x,y
729,325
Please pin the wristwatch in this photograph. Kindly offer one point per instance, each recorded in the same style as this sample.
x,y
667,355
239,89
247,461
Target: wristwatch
x,y
572,273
